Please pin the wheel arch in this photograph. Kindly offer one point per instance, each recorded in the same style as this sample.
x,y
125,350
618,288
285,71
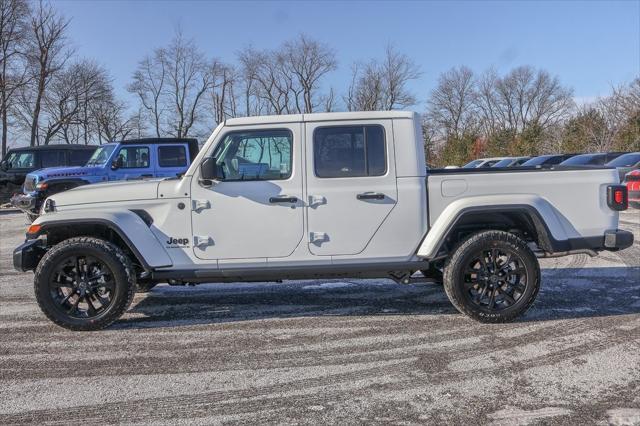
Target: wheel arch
x,y
525,219
127,229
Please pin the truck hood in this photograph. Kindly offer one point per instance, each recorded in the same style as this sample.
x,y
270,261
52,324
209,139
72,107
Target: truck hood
x,y
108,192
62,172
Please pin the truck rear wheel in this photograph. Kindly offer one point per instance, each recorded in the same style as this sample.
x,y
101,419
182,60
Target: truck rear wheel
x,y
84,283
492,277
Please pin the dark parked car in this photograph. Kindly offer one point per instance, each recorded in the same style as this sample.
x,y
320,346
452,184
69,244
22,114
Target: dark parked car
x,y
596,159
511,162
625,163
547,160
20,161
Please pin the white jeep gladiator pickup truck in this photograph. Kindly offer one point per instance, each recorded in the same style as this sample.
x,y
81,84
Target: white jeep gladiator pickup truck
x,y
318,196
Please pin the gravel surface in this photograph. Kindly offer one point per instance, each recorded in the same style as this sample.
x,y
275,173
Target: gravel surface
x,y
331,351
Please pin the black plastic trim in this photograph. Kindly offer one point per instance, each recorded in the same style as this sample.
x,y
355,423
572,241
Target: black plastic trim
x,y
546,241
272,273
28,254
48,226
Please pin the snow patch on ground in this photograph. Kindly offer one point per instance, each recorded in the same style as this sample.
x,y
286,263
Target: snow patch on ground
x,y
327,286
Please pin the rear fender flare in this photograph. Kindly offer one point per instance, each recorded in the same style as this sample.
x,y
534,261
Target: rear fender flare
x,y
551,233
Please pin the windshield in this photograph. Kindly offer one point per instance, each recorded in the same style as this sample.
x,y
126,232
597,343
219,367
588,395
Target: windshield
x,y
101,155
20,160
472,165
626,160
584,159
504,163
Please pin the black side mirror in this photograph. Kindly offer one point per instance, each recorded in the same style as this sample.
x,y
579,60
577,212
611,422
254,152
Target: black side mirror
x,y
210,171
4,165
117,163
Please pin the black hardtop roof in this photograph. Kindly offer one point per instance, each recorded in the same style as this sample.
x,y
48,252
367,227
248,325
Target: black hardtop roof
x,y
52,147
158,140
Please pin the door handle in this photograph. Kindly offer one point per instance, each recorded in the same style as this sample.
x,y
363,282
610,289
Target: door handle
x,y
370,196
283,199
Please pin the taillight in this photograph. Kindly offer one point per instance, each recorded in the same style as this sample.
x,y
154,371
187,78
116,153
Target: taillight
x,y
617,198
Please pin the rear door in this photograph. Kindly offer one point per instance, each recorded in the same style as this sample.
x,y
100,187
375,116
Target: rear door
x,y
351,184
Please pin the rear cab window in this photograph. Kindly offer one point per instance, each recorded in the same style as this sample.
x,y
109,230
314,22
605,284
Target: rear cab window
x,y
172,156
349,151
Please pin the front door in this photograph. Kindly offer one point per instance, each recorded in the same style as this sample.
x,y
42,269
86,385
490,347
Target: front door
x,y
351,184
256,210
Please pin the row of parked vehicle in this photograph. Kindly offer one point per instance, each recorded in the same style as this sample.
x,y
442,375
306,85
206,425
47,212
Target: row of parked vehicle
x,y
47,170
627,164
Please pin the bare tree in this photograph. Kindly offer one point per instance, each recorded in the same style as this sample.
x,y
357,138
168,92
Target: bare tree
x,y
66,105
188,81
382,85
309,61
222,91
13,28
171,85
148,84
47,53
526,97
451,107
398,70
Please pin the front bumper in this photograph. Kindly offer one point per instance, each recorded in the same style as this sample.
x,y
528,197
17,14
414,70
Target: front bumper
x,y
27,255
617,240
26,202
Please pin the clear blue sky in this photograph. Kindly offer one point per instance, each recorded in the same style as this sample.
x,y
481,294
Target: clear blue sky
x,y
590,45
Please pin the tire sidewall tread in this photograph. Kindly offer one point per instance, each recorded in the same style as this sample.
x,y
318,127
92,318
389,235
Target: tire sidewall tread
x,y
124,277
454,265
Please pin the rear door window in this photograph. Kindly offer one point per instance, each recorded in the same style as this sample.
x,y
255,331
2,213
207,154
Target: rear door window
x,y
172,156
52,158
349,151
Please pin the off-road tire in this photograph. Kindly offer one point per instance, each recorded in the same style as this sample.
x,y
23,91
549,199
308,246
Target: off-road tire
x,y
457,263
116,260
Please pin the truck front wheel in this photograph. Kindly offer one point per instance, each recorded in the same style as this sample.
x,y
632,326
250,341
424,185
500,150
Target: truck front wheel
x,y
84,283
492,277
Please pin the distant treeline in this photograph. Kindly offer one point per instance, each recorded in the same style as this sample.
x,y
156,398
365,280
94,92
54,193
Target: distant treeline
x,y
48,94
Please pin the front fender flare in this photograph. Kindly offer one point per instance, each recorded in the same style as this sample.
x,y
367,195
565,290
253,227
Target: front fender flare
x,y
128,225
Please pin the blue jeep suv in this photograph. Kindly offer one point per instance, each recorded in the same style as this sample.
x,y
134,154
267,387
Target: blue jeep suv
x,y
125,160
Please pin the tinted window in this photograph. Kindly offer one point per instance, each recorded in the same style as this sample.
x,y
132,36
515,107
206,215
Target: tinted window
x,y
584,159
21,160
133,157
626,160
349,151
172,156
504,163
472,165
79,157
255,155
52,158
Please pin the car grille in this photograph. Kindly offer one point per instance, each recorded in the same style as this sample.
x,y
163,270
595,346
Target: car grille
x,y
30,184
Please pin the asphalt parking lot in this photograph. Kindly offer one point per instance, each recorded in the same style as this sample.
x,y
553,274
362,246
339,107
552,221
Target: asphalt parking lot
x,y
331,351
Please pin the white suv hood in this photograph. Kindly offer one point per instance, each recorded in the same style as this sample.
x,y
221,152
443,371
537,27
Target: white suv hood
x,y
108,192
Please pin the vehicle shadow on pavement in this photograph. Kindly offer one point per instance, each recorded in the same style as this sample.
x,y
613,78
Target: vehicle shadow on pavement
x,y
565,293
